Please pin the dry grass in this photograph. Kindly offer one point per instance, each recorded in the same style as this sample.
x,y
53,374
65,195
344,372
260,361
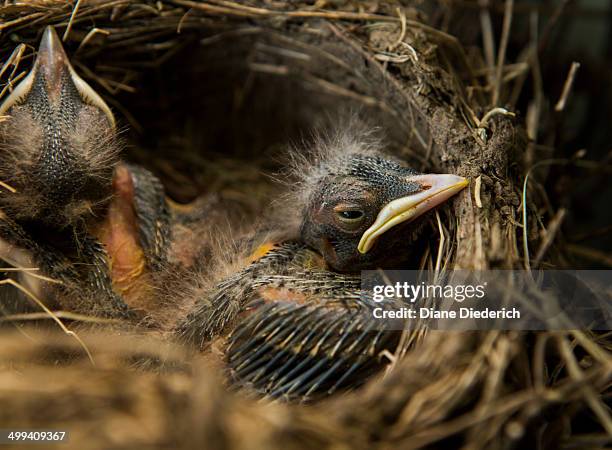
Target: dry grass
x,y
441,110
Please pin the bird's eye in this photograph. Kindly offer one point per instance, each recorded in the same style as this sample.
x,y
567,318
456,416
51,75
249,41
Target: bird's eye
x,y
350,215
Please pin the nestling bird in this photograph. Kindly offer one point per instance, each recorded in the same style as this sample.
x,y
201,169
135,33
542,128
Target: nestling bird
x,y
301,325
59,146
96,225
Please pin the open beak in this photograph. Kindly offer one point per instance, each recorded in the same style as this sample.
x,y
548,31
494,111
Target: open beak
x,y
50,72
436,189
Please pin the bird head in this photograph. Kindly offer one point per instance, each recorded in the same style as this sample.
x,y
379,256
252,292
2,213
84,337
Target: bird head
x,y
58,143
360,207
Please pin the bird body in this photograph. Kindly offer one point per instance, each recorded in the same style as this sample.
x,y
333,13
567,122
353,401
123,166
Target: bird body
x,y
96,226
297,322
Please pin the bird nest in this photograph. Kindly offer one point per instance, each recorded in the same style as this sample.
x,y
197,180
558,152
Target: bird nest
x,y
208,93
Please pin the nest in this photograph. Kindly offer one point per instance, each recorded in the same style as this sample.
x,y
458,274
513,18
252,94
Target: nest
x,y
205,87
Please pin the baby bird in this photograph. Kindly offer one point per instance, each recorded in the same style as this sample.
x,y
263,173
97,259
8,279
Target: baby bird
x,y
95,225
355,195
59,144
302,326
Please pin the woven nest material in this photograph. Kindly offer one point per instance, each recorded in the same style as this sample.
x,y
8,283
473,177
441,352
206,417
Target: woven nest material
x,y
204,87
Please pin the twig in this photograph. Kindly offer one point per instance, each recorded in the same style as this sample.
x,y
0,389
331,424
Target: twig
x,y
488,40
494,112
567,87
50,313
8,187
503,45
235,9
539,362
524,207
595,403
591,347
481,124
10,83
59,314
19,20
179,27
402,35
13,60
551,232
547,162
29,271
271,69
75,10
239,10
477,186
90,36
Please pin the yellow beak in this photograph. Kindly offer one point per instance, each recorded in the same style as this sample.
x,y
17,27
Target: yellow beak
x,y
436,189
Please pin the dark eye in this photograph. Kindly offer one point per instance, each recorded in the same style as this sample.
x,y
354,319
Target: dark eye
x,y
350,215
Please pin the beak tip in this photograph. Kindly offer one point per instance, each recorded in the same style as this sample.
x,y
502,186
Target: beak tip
x,y
49,40
51,52
404,209
458,182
